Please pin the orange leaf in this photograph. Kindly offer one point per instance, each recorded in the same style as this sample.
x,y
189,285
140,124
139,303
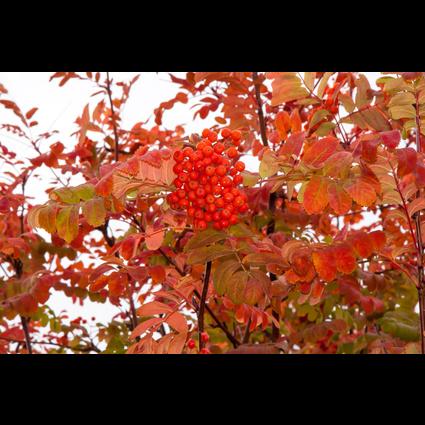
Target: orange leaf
x,y
324,262
154,237
317,152
316,195
345,259
339,199
361,192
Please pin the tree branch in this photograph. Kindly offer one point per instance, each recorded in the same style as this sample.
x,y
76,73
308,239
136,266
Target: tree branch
x,y
261,119
114,124
202,304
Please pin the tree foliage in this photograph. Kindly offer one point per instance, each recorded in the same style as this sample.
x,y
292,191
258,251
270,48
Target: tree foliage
x,y
326,256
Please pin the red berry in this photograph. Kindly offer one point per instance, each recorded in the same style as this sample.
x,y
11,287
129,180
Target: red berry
x,y
217,225
214,180
184,203
200,146
226,132
199,214
178,156
192,195
236,135
181,193
200,192
194,175
219,147
183,177
207,151
221,170
178,183
202,225
217,215
191,212
210,199
193,184
226,181
187,152
243,208
228,197
226,213
211,207
205,132
200,202
224,224
232,152
233,219
208,217
191,344
178,168
240,166
238,202
210,170
212,136
219,202
204,337
238,179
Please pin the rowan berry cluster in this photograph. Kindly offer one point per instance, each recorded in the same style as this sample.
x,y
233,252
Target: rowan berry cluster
x,y
207,181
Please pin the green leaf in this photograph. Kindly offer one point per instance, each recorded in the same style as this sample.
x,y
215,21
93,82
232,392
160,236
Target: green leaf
x,y
309,78
269,165
236,287
324,129
323,83
401,324
402,111
204,238
347,102
223,273
318,116
403,98
67,223
250,179
94,211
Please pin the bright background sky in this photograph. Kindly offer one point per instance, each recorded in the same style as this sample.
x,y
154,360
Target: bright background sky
x,y
58,109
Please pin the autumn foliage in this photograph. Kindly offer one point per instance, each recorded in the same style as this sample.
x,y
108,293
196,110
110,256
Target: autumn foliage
x,y
292,225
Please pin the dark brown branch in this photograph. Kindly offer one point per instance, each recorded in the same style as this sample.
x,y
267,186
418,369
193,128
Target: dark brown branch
x,y
419,242
261,119
92,347
202,304
114,124
24,322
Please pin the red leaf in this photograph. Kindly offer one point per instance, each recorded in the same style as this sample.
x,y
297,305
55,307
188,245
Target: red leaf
x,y
391,139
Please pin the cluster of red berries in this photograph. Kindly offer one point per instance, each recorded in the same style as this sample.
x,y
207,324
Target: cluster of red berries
x,y
207,180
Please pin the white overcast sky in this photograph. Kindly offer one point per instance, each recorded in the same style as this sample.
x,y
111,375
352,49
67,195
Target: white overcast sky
x,y
58,108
